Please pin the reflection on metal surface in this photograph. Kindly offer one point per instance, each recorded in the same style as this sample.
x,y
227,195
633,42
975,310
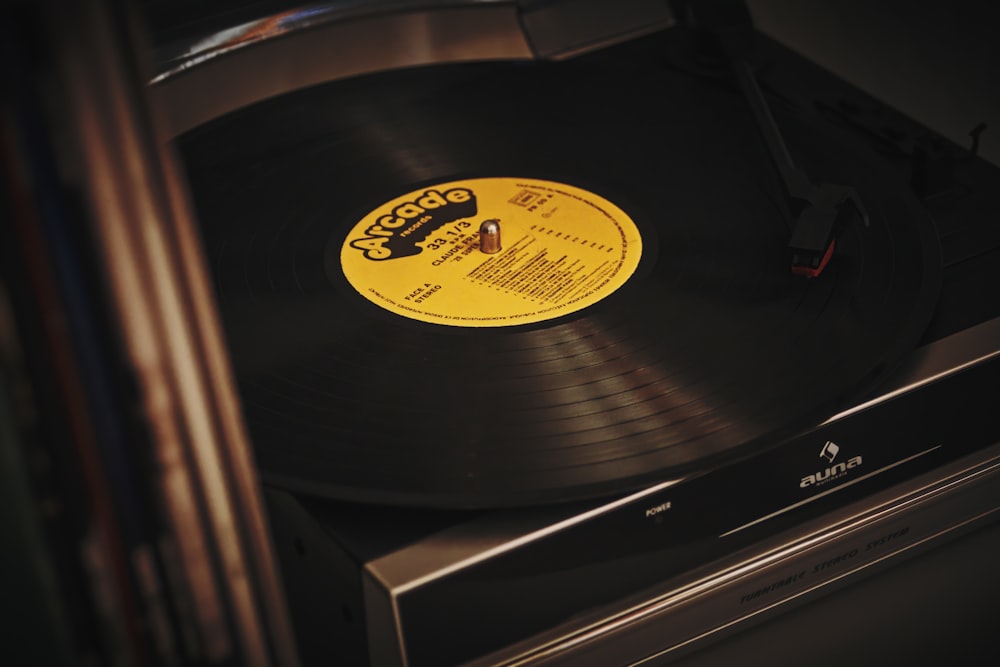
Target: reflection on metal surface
x,y
489,237
201,48
205,75
968,348
298,49
465,545
824,554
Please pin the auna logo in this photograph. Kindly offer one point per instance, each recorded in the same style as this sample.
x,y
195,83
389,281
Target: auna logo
x,y
829,453
397,233
831,473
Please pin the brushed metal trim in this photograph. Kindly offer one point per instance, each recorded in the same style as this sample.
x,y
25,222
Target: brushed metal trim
x,y
251,67
938,360
895,504
203,76
382,620
465,545
829,584
196,48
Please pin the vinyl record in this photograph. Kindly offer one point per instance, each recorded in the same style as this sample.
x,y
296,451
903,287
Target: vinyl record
x,y
365,375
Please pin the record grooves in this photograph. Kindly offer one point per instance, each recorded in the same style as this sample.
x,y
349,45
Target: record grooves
x,y
710,350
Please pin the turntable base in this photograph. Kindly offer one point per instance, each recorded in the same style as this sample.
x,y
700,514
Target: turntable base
x,y
641,571
374,557
936,609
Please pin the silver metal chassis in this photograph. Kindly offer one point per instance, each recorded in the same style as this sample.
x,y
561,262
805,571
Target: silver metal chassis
x,y
204,76
799,566
706,604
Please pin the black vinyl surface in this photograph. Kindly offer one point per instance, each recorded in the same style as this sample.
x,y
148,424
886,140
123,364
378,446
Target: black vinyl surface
x,y
711,351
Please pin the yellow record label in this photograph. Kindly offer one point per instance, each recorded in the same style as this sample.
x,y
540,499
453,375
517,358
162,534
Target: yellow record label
x,y
561,249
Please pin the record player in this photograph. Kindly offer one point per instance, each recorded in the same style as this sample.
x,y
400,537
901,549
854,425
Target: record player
x,y
547,563
574,336
635,575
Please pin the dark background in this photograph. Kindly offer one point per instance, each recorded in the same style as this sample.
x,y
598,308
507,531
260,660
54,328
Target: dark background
x,y
939,62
